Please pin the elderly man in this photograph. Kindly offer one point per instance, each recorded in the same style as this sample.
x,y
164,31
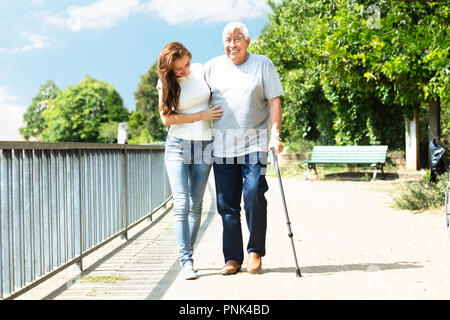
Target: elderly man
x,y
249,89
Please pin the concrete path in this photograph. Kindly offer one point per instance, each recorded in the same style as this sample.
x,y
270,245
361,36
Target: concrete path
x,y
350,241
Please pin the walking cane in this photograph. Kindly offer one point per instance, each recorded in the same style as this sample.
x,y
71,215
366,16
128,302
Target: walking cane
x,y
275,160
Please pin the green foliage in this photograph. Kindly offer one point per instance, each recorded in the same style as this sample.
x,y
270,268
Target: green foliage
x,y
77,113
352,72
108,132
115,109
445,124
137,130
149,128
33,117
419,195
300,146
288,41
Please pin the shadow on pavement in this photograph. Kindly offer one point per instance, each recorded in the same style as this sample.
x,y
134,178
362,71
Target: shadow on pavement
x,y
115,251
164,284
361,176
368,267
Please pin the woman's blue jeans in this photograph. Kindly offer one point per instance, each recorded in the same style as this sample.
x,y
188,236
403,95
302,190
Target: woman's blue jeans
x,y
237,177
188,174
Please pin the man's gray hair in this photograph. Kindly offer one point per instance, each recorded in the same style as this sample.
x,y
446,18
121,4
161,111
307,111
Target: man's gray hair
x,y
236,25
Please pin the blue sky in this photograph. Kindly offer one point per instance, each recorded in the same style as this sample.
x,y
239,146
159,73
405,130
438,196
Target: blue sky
x,y
111,40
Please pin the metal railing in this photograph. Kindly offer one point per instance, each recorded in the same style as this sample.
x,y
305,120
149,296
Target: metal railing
x,y
61,201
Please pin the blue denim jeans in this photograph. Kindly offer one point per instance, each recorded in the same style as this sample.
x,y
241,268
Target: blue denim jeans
x,y
235,177
188,175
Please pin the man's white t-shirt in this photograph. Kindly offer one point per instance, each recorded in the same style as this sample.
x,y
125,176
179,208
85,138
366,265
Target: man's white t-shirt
x,y
243,91
194,97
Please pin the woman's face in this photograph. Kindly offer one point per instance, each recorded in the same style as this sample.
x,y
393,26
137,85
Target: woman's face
x,y
181,66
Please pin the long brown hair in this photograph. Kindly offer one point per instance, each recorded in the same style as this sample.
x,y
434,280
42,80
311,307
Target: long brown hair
x,y
170,87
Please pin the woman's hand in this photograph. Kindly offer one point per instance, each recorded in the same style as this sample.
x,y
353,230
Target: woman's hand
x,y
182,118
213,113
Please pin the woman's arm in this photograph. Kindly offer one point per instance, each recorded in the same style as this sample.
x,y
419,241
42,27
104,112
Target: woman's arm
x,y
180,118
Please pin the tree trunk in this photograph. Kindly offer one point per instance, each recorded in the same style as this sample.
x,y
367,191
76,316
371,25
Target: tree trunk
x,y
434,130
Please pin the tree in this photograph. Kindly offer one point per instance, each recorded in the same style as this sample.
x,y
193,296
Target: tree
x,y
108,132
78,112
146,97
354,70
33,117
289,40
137,131
385,71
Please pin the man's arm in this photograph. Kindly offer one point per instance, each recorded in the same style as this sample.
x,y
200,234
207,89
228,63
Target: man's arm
x,y
275,122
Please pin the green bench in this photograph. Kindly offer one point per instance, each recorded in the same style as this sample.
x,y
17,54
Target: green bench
x,y
375,155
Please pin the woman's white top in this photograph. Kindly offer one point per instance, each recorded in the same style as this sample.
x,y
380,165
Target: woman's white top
x,y
194,97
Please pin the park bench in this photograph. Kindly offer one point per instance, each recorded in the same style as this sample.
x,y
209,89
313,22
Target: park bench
x,y
375,155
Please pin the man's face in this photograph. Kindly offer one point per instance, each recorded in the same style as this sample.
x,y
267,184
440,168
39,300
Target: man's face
x,y
236,46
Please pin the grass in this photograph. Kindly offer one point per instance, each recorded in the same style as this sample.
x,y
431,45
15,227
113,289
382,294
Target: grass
x,y
295,170
105,279
420,196
410,195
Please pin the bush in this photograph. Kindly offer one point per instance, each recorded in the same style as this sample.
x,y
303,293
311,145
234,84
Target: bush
x,y
419,195
300,146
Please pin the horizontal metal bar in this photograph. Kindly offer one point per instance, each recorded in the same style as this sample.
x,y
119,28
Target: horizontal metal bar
x,y
21,145
40,280
62,201
147,216
79,258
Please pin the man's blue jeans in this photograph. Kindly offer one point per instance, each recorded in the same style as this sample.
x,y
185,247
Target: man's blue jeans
x,y
188,175
235,177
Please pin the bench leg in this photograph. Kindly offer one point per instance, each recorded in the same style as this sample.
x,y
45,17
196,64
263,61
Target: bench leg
x,y
375,173
378,166
382,171
307,175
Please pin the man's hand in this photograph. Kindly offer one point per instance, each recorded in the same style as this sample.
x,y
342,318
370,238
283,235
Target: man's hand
x,y
275,142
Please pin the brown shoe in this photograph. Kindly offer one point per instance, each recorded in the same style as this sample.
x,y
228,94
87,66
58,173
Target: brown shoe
x,y
254,263
230,267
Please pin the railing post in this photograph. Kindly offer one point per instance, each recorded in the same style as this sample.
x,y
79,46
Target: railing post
x,y
80,190
44,186
125,193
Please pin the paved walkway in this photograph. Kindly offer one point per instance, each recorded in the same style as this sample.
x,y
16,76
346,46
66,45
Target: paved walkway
x,y
351,244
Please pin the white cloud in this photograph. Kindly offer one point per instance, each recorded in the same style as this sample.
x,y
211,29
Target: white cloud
x,y
6,97
37,3
11,116
50,18
177,12
104,14
6,67
36,42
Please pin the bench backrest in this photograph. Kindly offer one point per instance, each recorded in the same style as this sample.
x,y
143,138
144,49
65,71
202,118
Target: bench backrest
x,y
349,154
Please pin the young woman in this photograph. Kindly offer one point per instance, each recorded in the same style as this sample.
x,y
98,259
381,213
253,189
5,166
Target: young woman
x,y
184,100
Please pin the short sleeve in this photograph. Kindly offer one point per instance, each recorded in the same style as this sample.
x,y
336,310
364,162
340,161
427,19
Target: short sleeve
x,y
272,83
206,73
